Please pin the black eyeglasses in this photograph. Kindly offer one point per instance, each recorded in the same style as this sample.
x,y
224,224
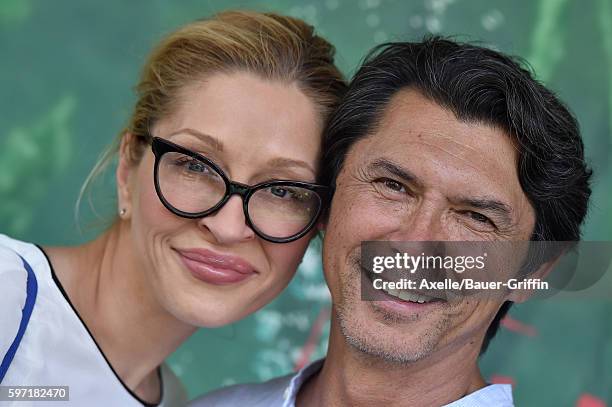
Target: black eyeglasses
x,y
192,186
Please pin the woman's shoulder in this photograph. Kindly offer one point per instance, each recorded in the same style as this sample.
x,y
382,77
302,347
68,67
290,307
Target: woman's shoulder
x,y
13,290
13,271
11,249
17,256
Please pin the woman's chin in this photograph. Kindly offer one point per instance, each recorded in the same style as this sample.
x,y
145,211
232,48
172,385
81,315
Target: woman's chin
x,y
210,314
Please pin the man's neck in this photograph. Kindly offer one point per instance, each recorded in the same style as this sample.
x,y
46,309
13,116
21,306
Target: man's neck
x,y
108,288
351,378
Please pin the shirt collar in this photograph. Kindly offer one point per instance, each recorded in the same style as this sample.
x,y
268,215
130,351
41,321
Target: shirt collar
x,y
491,395
298,380
501,393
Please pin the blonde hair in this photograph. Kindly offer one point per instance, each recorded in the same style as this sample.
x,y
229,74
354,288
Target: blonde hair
x,y
268,45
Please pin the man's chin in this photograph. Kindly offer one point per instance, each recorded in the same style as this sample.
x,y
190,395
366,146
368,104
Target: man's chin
x,y
388,335
388,350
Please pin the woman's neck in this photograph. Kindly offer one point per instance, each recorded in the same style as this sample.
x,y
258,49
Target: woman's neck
x,y
109,288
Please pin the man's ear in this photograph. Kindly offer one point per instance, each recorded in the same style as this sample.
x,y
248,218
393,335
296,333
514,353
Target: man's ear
x,y
125,167
541,273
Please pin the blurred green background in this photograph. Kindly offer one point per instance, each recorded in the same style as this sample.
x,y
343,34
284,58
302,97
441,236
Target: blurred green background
x,y
67,73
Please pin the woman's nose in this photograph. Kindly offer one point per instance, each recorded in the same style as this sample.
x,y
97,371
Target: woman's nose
x,y
228,224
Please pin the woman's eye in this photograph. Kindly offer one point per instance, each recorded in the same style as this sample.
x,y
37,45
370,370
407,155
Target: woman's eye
x,y
279,192
296,195
194,166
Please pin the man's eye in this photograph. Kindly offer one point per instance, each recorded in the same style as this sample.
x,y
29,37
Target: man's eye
x,y
479,217
392,185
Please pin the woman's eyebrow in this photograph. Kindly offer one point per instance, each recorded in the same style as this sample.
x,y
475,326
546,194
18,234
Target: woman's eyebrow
x,y
290,163
206,138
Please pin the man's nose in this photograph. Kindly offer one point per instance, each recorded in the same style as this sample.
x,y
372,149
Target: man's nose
x,y
228,224
423,224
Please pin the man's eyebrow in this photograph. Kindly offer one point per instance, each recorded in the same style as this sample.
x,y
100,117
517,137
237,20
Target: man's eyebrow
x,y
206,138
492,205
395,169
289,163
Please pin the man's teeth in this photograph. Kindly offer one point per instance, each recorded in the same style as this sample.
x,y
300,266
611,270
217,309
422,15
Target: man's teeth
x,y
409,296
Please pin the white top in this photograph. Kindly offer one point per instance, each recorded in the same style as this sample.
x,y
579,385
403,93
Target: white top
x,y
282,392
57,348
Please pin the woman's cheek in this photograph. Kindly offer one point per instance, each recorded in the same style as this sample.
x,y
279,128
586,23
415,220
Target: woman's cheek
x,y
285,258
154,214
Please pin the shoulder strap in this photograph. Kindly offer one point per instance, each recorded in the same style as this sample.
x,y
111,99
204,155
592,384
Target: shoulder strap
x,y
31,291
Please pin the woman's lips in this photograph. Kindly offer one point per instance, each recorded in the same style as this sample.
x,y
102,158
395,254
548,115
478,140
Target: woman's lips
x,y
215,268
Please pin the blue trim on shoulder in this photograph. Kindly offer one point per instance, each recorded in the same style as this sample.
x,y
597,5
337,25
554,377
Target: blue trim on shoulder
x,y
31,291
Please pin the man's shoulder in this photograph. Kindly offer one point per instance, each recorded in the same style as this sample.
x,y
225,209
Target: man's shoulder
x,y
270,393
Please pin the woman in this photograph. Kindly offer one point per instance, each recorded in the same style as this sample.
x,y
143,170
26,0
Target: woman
x,y
217,202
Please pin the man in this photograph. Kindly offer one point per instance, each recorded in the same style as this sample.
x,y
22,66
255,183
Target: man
x,y
434,141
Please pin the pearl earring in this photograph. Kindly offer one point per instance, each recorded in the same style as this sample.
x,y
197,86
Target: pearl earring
x,y
122,212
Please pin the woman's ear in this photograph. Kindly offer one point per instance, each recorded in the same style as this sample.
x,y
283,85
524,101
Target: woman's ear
x,y
125,167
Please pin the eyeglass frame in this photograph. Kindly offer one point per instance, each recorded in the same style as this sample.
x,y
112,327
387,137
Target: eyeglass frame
x,y
161,146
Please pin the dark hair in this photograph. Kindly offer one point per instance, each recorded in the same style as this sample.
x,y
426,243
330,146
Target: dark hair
x,y
478,85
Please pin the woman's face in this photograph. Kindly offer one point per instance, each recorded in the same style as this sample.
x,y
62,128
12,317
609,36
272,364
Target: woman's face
x,y
216,270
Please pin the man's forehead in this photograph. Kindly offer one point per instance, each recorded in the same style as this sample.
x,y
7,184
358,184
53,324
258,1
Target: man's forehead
x,y
440,150
412,123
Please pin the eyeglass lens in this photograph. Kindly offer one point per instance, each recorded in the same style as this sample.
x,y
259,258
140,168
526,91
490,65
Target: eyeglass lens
x,y
192,186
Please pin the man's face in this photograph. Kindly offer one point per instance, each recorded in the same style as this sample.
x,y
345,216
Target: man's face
x,y
422,176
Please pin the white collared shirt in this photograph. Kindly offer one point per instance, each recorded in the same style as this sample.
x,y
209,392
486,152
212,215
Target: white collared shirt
x,y
282,392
